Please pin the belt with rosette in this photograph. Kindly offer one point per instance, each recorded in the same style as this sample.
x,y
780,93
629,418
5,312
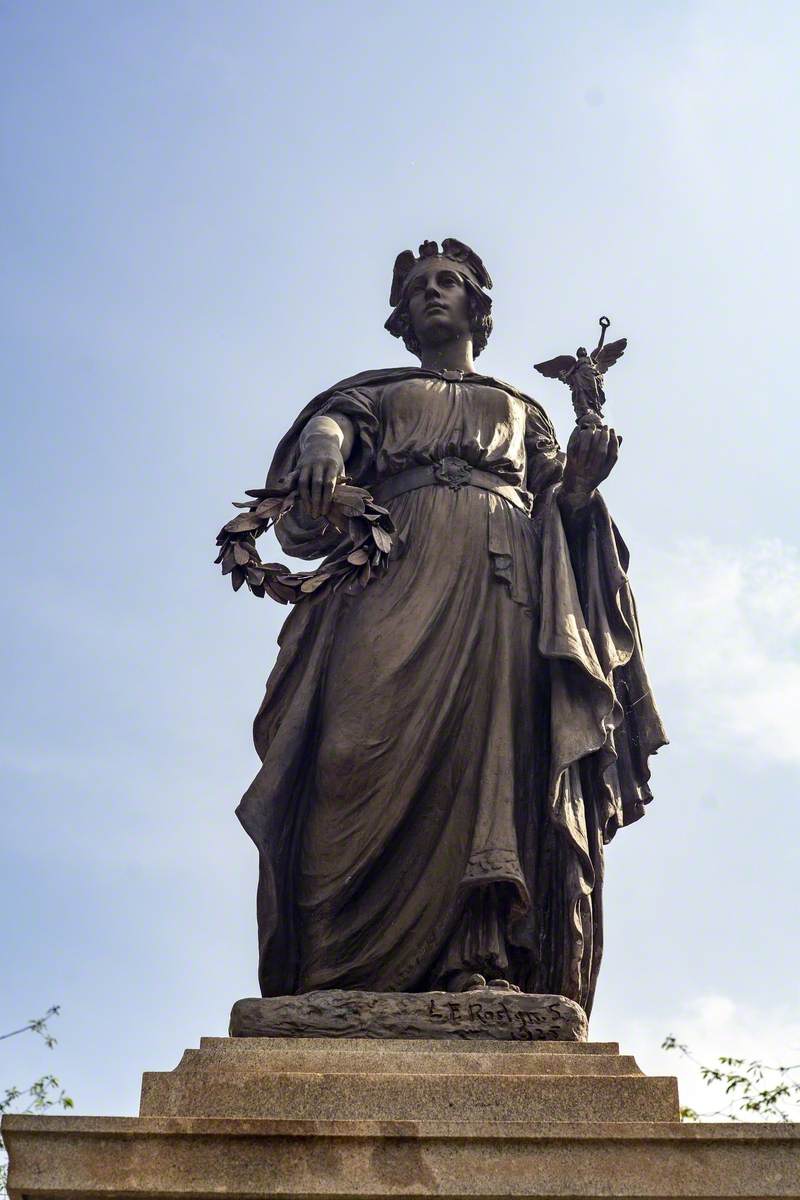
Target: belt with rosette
x,y
453,473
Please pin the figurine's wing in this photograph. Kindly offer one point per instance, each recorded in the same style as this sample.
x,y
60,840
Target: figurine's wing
x,y
609,354
554,366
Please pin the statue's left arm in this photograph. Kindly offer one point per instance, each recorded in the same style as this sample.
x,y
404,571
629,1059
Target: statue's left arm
x,y
591,455
604,723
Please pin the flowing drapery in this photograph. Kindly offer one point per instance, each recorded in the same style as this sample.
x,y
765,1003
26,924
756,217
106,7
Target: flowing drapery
x,y
445,754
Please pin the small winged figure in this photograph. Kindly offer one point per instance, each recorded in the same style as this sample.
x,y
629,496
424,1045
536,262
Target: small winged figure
x,y
584,373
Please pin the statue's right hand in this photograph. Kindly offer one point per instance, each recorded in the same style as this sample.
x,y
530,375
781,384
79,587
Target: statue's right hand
x,y
319,469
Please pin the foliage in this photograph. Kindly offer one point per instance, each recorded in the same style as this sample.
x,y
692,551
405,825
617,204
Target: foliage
x,y
753,1088
40,1096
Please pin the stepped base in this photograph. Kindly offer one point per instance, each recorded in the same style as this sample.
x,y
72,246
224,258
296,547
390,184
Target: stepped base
x,y
359,1079
302,1118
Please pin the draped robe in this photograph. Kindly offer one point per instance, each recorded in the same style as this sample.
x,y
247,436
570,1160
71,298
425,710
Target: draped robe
x,y
445,753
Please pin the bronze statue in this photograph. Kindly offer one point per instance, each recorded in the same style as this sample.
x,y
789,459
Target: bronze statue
x,y
459,717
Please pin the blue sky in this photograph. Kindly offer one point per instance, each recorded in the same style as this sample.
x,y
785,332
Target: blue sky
x,y
202,204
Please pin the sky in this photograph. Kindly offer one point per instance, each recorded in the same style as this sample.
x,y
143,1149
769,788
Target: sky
x,y
202,203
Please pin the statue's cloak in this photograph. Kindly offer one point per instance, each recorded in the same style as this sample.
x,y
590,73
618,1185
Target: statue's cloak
x,y
595,724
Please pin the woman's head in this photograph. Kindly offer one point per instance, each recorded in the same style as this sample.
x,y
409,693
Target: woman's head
x,y
439,297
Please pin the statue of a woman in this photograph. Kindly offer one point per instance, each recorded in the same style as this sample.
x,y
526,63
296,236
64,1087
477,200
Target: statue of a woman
x,y
445,752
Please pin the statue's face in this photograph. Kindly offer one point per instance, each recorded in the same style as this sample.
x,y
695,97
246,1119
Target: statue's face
x,y
438,304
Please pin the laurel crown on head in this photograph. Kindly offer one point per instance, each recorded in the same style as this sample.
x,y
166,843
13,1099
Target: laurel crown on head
x,y
467,264
464,258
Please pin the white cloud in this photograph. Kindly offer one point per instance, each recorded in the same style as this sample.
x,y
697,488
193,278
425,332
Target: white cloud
x,y
711,1026
721,628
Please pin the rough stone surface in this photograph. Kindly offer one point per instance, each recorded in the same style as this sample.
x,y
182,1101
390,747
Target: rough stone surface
x,y
334,1055
330,1079
149,1158
246,1118
305,1096
484,1013
409,1046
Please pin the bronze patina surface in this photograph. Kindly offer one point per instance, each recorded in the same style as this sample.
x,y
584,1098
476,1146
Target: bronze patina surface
x,y
459,718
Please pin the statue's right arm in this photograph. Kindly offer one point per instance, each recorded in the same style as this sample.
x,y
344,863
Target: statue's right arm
x,y
325,446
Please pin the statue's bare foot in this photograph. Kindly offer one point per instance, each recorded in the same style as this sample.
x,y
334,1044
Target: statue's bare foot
x,y
502,985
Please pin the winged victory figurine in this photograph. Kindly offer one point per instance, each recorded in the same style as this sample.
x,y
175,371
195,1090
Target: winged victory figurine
x,y
583,373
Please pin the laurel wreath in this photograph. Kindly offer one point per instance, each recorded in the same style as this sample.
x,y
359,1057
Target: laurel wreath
x,y
368,537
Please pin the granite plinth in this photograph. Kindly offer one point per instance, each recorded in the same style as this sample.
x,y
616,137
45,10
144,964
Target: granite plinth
x,y
243,1118
481,1013
426,1057
360,1079
152,1158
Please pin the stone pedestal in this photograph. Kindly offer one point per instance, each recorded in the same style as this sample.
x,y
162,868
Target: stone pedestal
x,y
334,1117
398,1081
482,1013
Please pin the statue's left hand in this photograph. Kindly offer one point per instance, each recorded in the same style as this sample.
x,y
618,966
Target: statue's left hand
x,y
591,454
